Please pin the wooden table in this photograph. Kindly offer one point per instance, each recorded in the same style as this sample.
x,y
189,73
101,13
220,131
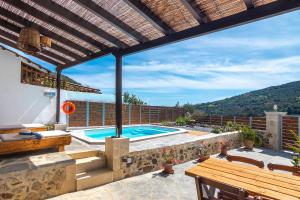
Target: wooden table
x,y
258,182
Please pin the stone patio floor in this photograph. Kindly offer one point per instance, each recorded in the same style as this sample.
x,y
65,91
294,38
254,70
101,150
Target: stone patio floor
x,y
155,186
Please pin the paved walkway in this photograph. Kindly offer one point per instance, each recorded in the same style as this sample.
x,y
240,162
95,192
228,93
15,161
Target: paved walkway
x,y
154,186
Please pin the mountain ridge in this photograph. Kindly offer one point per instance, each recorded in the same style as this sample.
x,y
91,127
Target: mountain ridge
x,y
254,103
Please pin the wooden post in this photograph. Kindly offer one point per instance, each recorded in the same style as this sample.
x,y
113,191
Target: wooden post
x,y
129,114
118,107
140,114
58,84
87,114
299,125
103,114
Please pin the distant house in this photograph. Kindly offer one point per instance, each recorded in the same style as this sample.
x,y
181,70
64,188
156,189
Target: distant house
x,y
27,90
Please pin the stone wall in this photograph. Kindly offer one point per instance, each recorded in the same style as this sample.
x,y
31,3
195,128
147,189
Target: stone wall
x,y
37,177
151,159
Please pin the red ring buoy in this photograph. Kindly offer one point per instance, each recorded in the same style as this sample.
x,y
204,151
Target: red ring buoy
x,y
68,108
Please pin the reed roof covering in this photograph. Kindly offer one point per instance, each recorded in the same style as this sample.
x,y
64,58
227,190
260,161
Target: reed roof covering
x,y
86,29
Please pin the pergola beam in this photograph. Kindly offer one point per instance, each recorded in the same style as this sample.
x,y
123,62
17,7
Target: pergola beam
x,y
14,45
17,30
150,16
111,19
195,11
272,9
45,32
50,20
76,19
249,4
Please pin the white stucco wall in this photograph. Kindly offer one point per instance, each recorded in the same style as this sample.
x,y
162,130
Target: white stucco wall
x,y
24,103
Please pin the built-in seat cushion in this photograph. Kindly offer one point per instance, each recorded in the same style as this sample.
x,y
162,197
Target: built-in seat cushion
x,y
43,134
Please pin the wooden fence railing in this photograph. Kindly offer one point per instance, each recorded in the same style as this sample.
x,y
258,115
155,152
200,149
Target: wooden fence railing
x,y
103,114
254,122
32,76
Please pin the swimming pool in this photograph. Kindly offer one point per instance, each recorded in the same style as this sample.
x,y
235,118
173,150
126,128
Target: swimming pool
x,y
134,133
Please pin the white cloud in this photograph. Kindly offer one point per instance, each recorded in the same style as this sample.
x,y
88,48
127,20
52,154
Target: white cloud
x,y
245,42
272,66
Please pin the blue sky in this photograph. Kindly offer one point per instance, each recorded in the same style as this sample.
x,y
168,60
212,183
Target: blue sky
x,y
206,68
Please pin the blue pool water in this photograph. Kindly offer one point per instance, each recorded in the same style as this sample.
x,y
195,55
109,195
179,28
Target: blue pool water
x,y
129,132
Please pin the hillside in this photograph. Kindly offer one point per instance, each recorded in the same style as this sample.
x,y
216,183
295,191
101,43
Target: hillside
x,y
286,97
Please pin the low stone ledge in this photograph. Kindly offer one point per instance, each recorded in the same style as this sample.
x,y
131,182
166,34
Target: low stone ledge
x,y
61,159
37,177
148,160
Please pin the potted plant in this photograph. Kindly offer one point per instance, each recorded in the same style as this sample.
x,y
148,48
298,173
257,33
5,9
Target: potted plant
x,y
296,155
169,159
248,136
224,148
203,153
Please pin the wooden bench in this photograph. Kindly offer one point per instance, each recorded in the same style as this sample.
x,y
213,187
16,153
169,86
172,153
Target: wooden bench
x,y
50,139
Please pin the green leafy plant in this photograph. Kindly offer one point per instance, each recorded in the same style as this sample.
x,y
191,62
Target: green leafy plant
x,y
258,142
181,121
248,133
230,127
217,130
296,150
169,156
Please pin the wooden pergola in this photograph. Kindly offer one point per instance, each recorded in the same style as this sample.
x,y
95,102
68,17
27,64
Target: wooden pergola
x,y
82,30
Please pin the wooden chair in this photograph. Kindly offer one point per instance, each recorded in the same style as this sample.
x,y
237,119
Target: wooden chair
x,y
232,193
294,170
251,161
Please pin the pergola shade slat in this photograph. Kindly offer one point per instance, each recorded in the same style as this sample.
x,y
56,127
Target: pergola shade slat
x,y
44,31
150,16
14,45
261,12
15,38
65,13
82,30
25,22
102,13
48,19
195,11
249,4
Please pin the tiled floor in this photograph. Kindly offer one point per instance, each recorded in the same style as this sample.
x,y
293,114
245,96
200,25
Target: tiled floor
x,y
155,186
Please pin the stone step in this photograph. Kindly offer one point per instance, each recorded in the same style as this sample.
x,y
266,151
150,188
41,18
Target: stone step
x,y
94,178
90,163
83,153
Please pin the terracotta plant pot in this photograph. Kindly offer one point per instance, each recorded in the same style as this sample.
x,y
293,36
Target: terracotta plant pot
x,y
168,168
203,158
249,144
224,150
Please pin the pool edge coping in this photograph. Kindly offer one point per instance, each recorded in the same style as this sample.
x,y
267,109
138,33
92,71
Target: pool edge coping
x,y
79,134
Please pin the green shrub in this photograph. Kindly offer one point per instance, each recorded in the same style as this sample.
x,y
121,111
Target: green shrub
x,y
248,133
258,142
296,150
181,121
217,130
230,127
